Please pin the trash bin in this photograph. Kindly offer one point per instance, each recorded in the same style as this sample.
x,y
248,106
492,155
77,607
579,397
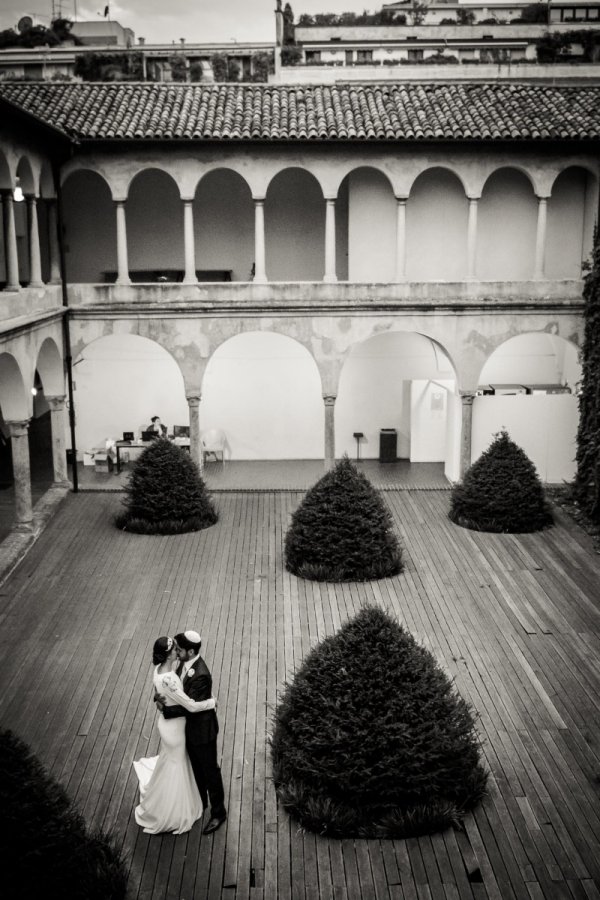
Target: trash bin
x,y
388,443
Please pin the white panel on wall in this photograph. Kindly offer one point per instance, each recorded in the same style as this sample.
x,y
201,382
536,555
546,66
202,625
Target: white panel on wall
x,y
436,228
224,224
543,425
507,222
264,391
535,358
566,217
295,227
428,420
453,428
154,212
121,382
90,228
371,227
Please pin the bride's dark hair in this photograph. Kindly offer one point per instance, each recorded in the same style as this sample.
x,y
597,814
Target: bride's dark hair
x,y
162,648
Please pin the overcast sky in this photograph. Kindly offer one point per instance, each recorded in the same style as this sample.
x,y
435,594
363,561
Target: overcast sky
x,y
168,20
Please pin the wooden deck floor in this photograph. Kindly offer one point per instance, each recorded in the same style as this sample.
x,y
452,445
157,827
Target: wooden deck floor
x,y
516,620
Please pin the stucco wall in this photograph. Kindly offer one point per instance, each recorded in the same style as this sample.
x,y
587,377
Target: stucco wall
x,y
295,228
371,227
507,221
90,229
436,226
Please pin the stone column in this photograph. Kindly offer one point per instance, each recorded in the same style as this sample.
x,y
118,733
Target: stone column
x,y
329,402
330,273
540,238
19,438
122,263
400,238
10,240
35,258
59,450
195,442
260,265
466,398
189,243
53,241
472,239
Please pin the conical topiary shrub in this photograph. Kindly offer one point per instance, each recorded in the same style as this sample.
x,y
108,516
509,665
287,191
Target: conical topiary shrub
x,y
501,492
371,739
342,531
46,849
165,493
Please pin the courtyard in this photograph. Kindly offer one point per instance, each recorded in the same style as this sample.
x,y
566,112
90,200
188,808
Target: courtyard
x,y
514,619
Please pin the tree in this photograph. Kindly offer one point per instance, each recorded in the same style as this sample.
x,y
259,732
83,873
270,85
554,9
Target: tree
x,y
371,739
178,67
587,478
342,531
501,492
47,850
418,11
465,16
288,25
535,13
165,493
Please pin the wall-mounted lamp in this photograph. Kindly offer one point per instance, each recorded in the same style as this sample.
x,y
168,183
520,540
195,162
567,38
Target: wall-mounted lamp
x,y
34,391
18,194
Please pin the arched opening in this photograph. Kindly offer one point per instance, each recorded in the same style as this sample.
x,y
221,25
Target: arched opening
x,y
25,188
295,227
507,222
154,227
122,381
264,391
5,185
89,228
14,407
366,227
436,228
404,383
224,227
570,223
529,386
45,221
40,438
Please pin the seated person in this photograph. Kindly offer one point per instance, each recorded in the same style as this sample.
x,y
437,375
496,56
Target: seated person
x,y
157,426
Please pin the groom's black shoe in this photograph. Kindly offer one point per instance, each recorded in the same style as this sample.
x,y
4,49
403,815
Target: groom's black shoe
x,y
214,824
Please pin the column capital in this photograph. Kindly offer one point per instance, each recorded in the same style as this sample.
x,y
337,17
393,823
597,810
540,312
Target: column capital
x,y
543,197
467,397
401,199
18,428
193,399
259,199
187,199
120,201
330,199
473,198
329,399
56,401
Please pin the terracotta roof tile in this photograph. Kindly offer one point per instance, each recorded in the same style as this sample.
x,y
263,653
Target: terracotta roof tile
x,y
354,112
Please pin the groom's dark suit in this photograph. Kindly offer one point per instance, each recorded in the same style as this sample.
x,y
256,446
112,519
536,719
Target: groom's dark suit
x,y
201,729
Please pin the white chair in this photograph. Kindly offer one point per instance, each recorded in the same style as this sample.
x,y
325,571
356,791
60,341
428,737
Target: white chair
x,y
213,443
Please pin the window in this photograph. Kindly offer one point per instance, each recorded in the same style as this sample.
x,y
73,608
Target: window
x,y
363,56
349,57
313,56
415,55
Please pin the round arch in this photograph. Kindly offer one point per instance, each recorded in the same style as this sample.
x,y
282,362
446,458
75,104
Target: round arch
x,y
263,390
436,226
47,190
451,170
154,226
224,226
571,216
507,223
25,176
50,368
366,226
402,380
15,401
543,420
6,181
295,226
122,381
90,228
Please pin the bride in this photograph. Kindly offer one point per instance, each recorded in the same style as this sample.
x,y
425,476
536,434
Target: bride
x,y
169,796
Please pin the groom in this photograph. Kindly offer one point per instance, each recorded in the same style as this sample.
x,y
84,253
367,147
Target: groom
x,y
200,728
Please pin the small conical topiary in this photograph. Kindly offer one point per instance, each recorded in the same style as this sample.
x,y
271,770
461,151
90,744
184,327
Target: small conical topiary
x,y
165,493
342,531
371,739
47,849
501,492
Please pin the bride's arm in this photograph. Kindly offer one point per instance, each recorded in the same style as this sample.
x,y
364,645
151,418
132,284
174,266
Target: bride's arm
x,y
176,693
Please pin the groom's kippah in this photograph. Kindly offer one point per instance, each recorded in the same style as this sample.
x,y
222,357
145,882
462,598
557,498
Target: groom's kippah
x,y
189,640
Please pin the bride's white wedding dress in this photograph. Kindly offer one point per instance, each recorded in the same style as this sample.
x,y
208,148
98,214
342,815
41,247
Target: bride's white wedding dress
x,y
169,797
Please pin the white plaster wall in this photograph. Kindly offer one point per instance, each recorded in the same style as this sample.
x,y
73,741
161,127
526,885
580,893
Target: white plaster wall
x,y
374,391
507,220
224,224
436,228
566,225
428,405
264,391
544,425
89,228
154,214
295,228
538,358
341,232
371,227
453,427
121,382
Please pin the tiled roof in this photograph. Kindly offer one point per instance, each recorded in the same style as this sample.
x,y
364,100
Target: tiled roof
x,y
353,112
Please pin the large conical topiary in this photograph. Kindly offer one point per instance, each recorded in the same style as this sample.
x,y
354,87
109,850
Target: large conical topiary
x,y
371,739
501,492
342,531
46,849
165,493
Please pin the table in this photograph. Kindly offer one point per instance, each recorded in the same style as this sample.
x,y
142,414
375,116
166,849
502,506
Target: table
x,y
141,445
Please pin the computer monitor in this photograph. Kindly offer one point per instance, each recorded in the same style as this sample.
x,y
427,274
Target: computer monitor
x,y
181,431
128,435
